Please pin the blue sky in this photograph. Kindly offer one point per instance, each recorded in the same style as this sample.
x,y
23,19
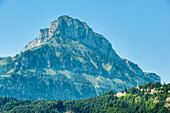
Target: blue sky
x,y
139,30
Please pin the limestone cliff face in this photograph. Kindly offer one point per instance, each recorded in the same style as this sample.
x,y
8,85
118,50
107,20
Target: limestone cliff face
x,y
43,37
76,30
68,60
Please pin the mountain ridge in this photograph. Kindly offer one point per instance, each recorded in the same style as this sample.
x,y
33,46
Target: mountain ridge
x,y
68,61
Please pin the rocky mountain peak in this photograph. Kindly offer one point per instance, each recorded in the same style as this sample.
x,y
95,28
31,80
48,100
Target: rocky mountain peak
x,y
68,60
69,27
76,30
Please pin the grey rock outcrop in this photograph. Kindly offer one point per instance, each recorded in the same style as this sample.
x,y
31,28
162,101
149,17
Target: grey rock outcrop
x,y
43,37
76,30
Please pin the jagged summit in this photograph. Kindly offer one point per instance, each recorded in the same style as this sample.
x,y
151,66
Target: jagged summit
x,y
56,27
68,60
76,30
66,18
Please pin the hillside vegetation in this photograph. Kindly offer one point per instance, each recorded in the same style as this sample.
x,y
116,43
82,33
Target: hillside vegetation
x,y
134,101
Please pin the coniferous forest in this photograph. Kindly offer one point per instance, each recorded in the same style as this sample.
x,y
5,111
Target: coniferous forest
x,y
133,101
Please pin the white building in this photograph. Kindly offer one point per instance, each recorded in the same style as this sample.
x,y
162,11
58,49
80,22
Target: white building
x,y
119,94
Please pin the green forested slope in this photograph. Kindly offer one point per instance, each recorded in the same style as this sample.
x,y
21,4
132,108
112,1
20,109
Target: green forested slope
x,y
134,101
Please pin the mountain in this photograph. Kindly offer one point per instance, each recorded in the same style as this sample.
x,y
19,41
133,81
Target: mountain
x,y
135,101
68,60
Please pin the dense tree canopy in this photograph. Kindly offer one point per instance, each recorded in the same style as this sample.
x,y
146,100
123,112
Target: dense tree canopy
x,y
134,101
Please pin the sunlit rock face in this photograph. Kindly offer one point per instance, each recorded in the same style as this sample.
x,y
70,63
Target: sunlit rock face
x,y
75,30
68,60
43,37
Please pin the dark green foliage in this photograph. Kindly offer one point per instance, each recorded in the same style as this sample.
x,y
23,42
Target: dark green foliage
x,y
136,101
133,91
125,90
151,85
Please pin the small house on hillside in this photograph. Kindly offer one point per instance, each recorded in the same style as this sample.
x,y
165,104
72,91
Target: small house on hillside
x,y
119,94
153,90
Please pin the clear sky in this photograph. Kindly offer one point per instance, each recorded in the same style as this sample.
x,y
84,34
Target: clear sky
x,y
139,30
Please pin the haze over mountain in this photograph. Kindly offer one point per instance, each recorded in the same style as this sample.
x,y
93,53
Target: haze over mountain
x,y
68,60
